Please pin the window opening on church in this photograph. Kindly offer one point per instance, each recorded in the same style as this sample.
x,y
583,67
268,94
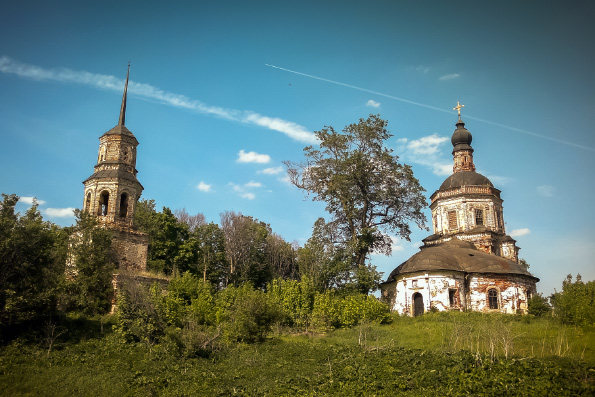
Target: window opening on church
x,y
498,219
478,217
103,203
451,297
452,220
493,298
123,205
88,202
418,304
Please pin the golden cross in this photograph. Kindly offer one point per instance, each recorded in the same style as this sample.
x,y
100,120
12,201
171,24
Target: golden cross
x,y
458,108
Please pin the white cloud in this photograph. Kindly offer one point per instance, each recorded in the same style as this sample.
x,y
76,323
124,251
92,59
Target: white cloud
x,y
271,170
289,128
253,184
248,195
243,190
29,200
545,190
203,187
426,151
146,91
59,212
426,145
497,180
253,157
519,232
450,76
422,69
372,104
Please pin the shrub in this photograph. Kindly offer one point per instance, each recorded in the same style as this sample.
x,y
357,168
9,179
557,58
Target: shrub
x,y
246,314
576,303
296,298
539,306
334,311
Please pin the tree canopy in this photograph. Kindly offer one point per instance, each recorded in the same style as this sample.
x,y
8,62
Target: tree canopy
x,y
369,194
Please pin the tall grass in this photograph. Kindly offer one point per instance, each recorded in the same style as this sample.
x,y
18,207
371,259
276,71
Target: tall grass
x,y
495,335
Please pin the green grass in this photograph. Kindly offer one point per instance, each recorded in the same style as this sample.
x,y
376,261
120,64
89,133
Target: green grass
x,y
431,355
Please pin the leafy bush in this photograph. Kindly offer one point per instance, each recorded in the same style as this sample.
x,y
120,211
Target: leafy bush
x,y
296,298
576,303
539,306
246,314
334,311
138,314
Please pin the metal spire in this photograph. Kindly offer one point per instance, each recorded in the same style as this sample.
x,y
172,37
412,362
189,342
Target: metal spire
x,y
123,108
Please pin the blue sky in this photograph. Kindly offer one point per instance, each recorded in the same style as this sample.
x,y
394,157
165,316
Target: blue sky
x,y
222,92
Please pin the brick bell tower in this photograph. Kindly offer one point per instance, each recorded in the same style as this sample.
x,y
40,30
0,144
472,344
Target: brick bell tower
x,y
112,192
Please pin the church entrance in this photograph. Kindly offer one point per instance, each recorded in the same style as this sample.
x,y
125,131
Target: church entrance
x,y
418,304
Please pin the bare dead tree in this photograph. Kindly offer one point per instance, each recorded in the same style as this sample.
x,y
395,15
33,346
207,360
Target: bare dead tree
x,y
193,221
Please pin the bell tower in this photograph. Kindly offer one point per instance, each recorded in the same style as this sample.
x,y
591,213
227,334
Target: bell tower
x,y
112,192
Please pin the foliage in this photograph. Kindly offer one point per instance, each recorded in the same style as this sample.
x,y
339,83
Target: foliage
x,y
332,310
296,298
368,193
245,245
90,286
539,306
32,257
212,263
336,364
576,303
138,316
246,314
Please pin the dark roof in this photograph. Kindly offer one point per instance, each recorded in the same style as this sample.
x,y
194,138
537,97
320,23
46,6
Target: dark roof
x,y
458,255
465,178
120,130
120,174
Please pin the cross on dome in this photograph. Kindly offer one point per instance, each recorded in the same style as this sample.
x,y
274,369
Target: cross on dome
x,y
458,108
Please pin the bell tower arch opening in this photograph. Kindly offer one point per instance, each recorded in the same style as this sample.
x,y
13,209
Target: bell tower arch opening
x,y
123,205
103,207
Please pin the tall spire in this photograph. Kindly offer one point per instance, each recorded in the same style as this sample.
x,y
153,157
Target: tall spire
x,y
123,108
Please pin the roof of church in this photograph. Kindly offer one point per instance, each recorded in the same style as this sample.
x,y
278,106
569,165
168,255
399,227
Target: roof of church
x,y
458,255
120,174
465,178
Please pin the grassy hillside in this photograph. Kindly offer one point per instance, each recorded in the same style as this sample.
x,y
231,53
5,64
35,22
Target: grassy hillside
x,y
448,354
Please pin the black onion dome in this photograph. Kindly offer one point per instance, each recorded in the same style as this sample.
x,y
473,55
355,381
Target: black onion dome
x,y
459,256
465,178
461,138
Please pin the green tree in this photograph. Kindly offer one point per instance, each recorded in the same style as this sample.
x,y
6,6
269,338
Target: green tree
x,y
576,303
538,305
245,247
32,258
92,262
324,261
368,193
212,264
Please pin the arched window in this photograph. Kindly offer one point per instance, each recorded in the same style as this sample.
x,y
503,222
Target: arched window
x,y
493,298
102,208
123,205
88,202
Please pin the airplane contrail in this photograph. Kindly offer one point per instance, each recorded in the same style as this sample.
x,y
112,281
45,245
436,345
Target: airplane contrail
x,y
434,108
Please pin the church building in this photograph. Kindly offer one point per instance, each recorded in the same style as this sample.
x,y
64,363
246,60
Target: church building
x,y
112,192
469,262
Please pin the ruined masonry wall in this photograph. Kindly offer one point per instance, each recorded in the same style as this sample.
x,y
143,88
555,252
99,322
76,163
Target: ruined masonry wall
x,y
471,294
131,249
